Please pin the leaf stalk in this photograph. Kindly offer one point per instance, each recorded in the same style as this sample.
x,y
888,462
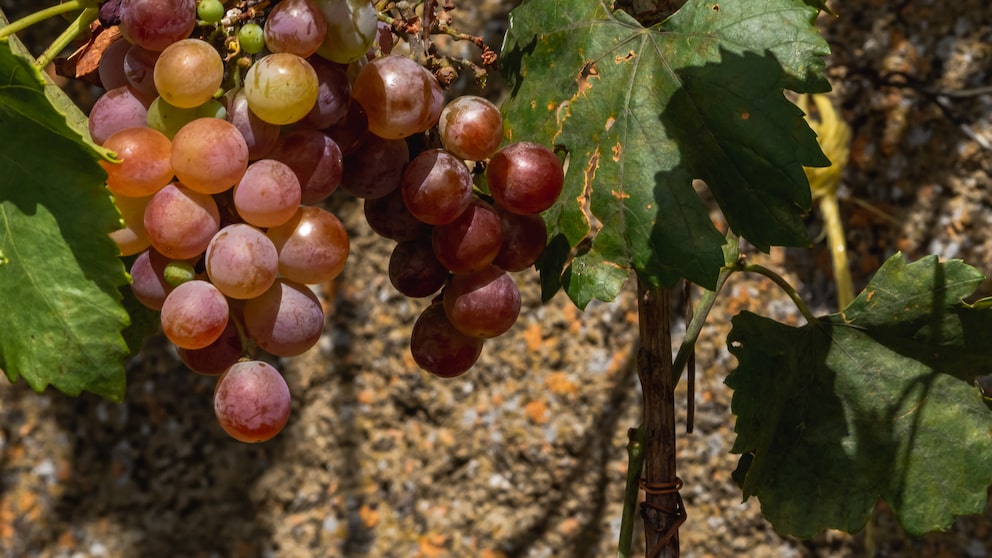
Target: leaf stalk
x,y
42,15
81,24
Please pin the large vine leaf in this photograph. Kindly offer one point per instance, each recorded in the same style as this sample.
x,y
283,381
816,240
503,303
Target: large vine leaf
x,y
642,112
878,401
60,273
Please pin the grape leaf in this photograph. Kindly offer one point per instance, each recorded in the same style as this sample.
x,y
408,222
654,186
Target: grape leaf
x,y
878,401
59,271
641,112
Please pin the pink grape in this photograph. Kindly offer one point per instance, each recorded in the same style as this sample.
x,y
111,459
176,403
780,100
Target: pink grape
x,y
398,96
333,94
471,127
439,348
437,187
268,193
313,246
146,164
180,222
252,401
188,73
260,136
216,357
376,169
111,68
285,320
116,110
316,160
156,24
209,155
389,217
295,26
414,270
148,279
241,261
194,314
525,177
483,303
139,68
471,241
524,239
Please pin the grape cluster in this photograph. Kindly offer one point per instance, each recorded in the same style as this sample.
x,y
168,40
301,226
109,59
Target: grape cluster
x,y
232,120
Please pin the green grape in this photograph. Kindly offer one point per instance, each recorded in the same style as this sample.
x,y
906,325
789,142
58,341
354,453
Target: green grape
x,y
210,11
251,36
169,119
281,88
351,29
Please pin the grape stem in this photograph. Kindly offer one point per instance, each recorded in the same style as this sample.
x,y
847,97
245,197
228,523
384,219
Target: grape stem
x,y
695,326
785,286
635,463
81,24
42,15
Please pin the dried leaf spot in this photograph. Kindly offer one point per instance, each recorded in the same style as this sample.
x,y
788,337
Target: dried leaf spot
x,y
609,123
745,115
589,175
620,195
716,7
589,70
630,56
617,152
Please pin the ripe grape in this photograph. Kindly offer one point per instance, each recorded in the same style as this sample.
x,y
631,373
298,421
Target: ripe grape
x,y
148,279
252,401
194,314
351,28
241,261
389,217
295,26
216,357
268,193
133,237
376,169
437,187
483,303
439,348
285,320
116,110
316,160
156,24
414,270
281,88
524,239
471,241
209,155
180,222
139,71
471,127
111,68
145,162
525,177
351,131
260,136
333,94
398,96
313,246
188,73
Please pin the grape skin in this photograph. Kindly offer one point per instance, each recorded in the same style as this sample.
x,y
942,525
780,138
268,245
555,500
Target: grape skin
x,y
133,237
209,155
439,348
281,88
525,178
286,320
268,193
437,187
194,314
313,246
116,110
241,261
188,73
471,241
252,401
398,96
484,303
295,26
471,127
146,165
156,24
180,222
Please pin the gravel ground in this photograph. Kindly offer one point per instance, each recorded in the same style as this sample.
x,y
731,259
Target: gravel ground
x,y
524,456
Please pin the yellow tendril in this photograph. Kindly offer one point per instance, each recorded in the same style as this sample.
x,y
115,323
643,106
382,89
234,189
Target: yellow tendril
x,y
834,136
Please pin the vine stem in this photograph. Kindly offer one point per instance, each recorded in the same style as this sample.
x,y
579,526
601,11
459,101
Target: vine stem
x,y
635,464
785,286
81,24
695,326
42,15
662,509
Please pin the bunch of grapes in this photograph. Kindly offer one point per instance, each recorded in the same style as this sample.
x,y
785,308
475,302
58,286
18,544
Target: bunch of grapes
x,y
232,120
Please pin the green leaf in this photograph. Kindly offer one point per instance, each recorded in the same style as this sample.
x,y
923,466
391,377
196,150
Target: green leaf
x,y
878,401
642,112
60,272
